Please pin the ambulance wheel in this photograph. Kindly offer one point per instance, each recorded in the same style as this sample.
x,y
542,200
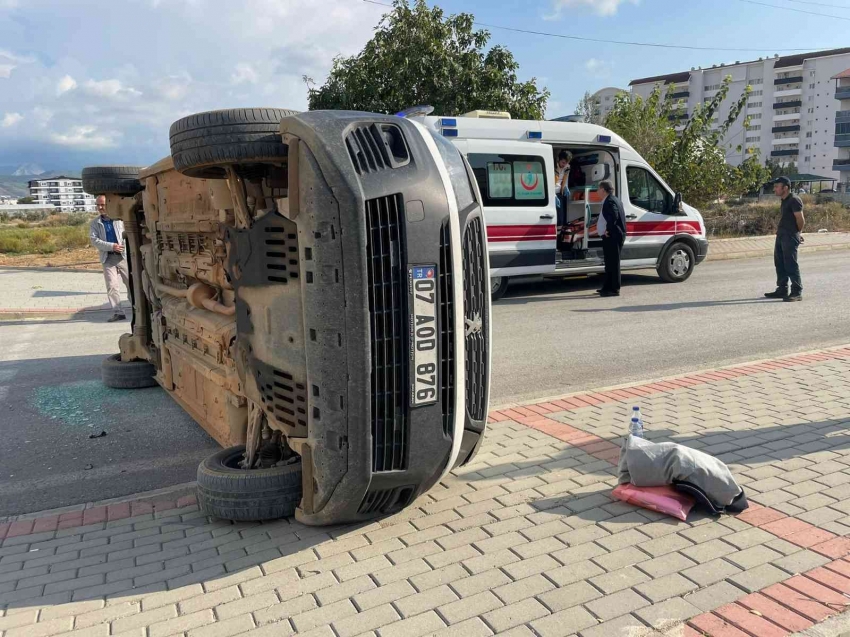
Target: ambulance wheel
x,y
677,264
498,287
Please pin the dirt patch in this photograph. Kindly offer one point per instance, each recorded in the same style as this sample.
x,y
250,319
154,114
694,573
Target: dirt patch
x,y
81,258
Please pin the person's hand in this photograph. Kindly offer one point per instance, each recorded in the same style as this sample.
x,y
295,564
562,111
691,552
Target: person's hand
x,y
117,247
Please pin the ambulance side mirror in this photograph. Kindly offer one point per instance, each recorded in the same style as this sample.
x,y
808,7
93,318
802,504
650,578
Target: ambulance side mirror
x,y
677,203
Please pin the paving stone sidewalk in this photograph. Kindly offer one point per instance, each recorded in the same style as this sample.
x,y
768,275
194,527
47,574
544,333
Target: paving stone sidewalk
x,y
527,541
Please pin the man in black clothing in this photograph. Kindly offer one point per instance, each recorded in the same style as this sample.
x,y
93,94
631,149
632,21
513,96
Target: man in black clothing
x,y
788,239
611,226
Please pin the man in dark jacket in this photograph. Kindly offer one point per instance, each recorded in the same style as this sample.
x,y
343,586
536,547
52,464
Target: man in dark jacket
x,y
789,236
611,226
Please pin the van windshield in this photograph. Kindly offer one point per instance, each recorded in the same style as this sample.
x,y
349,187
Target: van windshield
x,y
457,171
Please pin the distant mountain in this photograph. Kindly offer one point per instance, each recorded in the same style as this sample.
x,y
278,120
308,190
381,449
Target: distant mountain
x,y
27,170
18,185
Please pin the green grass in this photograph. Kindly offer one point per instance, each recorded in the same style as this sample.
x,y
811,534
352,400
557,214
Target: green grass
x,y
44,240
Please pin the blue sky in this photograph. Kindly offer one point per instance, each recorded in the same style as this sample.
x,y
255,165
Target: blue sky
x,y
100,81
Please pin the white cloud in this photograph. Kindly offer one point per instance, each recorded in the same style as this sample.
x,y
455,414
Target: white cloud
x,y
10,61
11,119
599,7
600,68
86,137
109,89
42,115
243,73
67,83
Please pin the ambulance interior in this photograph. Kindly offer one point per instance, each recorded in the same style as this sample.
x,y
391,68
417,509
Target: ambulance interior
x,y
588,167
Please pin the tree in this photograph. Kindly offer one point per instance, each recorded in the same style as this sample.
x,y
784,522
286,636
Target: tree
x,y
26,200
692,161
588,109
419,56
781,170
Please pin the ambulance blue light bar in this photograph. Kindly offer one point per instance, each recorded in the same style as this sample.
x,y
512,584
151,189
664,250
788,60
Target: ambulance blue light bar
x,y
448,121
449,132
603,139
534,134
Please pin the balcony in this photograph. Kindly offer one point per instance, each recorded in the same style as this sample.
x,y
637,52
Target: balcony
x,y
784,153
791,92
673,117
842,93
841,164
790,104
842,141
786,117
779,141
797,79
680,95
842,117
785,129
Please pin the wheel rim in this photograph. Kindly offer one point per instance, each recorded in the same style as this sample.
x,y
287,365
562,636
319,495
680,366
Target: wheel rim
x,y
495,284
680,263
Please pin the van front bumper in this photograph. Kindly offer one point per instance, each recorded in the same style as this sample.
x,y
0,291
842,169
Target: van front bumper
x,y
702,250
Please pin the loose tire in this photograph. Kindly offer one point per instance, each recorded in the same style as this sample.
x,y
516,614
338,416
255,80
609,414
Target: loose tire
x,y
677,263
130,375
204,143
498,287
112,180
228,492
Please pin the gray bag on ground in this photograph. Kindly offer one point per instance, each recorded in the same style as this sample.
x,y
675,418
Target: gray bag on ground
x,y
650,464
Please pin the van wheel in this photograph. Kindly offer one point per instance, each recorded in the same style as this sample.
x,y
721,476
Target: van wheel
x,y
127,375
227,491
498,287
112,180
677,264
204,143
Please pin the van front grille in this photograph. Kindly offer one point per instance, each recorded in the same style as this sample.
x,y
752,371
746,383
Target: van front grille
x,y
366,148
387,313
476,320
447,331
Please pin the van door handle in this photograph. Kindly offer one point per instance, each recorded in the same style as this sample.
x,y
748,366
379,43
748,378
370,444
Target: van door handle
x,y
547,216
631,216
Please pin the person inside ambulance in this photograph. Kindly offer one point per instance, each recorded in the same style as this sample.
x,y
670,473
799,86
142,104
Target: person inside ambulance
x,y
562,190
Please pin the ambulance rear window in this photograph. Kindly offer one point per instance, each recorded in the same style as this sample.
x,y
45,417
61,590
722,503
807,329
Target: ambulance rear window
x,y
510,180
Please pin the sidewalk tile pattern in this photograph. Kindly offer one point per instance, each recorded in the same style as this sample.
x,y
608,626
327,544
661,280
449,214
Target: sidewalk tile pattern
x,y
526,541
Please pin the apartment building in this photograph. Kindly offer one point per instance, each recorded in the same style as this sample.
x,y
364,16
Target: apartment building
x,y
841,164
604,99
797,110
64,193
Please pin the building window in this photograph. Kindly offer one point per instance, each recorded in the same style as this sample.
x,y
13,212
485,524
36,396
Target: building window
x,y
713,87
757,80
756,138
812,85
808,146
755,116
811,73
807,159
756,93
754,128
754,105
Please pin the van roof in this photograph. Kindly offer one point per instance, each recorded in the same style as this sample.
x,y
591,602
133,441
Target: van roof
x,y
518,130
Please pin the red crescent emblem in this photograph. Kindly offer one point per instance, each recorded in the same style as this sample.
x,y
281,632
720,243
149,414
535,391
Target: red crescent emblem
x,y
533,186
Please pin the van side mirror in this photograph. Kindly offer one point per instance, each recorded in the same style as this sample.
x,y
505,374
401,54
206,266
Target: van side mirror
x,y
677,203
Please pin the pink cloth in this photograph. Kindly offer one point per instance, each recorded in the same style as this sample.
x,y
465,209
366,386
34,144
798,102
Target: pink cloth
x,y
662,499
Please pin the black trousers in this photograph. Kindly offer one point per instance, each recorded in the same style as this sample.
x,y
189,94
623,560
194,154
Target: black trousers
x,y
785,260
611,247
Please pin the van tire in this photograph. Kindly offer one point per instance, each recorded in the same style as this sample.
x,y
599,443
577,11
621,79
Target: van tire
x,y
112,180
498,287
677,263
204,143
118,374
229,492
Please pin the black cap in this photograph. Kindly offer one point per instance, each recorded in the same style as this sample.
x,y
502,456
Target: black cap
x,y
782,180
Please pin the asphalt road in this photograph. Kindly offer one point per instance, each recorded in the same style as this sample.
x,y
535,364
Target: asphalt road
x,y
549,338
558,336
52,400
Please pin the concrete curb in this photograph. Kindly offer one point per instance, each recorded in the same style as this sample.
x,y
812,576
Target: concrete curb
x,y
754,254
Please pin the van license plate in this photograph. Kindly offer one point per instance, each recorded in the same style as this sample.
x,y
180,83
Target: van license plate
x,y
424,334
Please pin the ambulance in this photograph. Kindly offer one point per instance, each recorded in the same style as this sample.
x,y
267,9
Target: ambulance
x,y
514,163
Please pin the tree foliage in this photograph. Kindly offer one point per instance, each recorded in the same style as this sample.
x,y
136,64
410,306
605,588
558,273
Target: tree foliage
x,y
420,56
588,109
693,160
26,200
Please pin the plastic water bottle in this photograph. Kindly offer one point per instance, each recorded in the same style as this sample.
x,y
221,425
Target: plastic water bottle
x,y
636,423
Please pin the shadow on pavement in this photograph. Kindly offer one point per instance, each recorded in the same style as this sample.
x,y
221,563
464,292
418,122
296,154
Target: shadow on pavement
x,y
557,288
677,306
